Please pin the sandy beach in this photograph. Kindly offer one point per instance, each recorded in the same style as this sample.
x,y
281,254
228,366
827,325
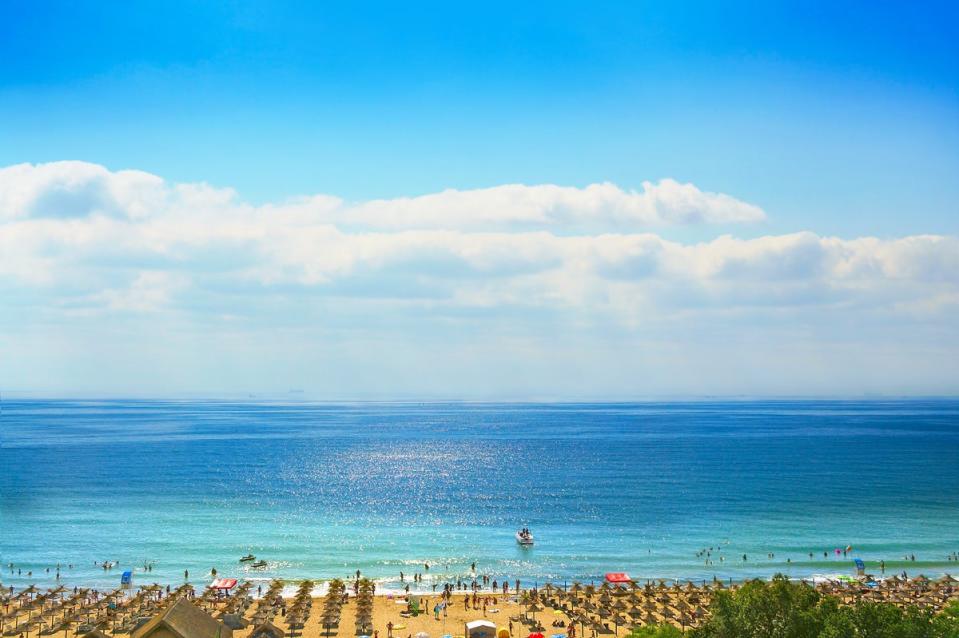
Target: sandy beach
x,y
351,609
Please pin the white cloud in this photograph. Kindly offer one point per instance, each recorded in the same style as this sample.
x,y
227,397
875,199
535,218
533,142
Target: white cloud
x,y
549,206
130,242
76,189
541,277
149,291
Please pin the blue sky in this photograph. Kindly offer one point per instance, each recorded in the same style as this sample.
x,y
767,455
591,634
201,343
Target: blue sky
x,y
840,120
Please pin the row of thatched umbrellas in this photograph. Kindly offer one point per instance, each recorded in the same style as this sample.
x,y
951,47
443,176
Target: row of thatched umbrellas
x,y
299,611
269,605
45,612
364,607
211,596
85,609
920,591
598,608
332,605
238,601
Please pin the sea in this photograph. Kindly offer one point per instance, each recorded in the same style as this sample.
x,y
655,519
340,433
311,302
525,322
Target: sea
x,y
682,490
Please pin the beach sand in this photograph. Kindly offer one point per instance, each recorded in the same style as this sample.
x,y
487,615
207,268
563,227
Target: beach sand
x,y
388,608
67,612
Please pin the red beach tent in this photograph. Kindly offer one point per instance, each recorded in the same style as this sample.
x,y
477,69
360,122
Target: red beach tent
x,y
618,577
224,583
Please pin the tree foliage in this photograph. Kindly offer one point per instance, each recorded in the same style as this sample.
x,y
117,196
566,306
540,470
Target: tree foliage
x,y
657,631
783,609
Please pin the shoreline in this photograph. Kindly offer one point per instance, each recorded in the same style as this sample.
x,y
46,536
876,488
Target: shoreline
x,y
392,587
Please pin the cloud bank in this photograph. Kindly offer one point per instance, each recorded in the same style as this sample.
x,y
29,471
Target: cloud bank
x,y
79,242
65,190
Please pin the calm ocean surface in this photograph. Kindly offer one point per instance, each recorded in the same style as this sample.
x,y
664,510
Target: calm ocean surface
x,y
321,490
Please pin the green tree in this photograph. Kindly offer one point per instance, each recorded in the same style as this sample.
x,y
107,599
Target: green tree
x,y
656,631
879,620
777,609
947,622
781,609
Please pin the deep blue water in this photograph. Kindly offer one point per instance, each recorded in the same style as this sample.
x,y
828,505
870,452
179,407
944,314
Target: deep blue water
x,y
321,490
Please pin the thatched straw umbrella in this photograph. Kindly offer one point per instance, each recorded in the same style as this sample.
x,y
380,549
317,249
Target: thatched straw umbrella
x,y
533,608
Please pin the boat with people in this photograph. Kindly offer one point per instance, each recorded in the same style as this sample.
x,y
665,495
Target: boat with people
x,y
248,558
259,564
524,537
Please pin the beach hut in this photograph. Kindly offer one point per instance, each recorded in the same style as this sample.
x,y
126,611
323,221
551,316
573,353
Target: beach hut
x,y
480,629
266,630
183,620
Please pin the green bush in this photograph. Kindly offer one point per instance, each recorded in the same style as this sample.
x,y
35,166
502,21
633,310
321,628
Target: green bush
x,y
656,631
782,609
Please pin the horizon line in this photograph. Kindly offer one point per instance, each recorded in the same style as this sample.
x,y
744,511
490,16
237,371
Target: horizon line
x,y
306,398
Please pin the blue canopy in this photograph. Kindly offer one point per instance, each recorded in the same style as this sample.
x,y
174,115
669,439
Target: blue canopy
x,y
126,578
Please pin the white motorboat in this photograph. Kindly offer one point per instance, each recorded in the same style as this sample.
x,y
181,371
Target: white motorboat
x,y
524,537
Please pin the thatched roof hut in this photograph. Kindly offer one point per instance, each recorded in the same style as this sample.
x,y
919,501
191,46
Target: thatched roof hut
x,y
266,630
183,620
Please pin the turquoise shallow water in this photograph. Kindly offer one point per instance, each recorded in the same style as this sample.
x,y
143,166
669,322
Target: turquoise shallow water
x,y
321,490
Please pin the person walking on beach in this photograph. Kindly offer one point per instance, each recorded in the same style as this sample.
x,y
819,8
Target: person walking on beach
x,y
389,629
